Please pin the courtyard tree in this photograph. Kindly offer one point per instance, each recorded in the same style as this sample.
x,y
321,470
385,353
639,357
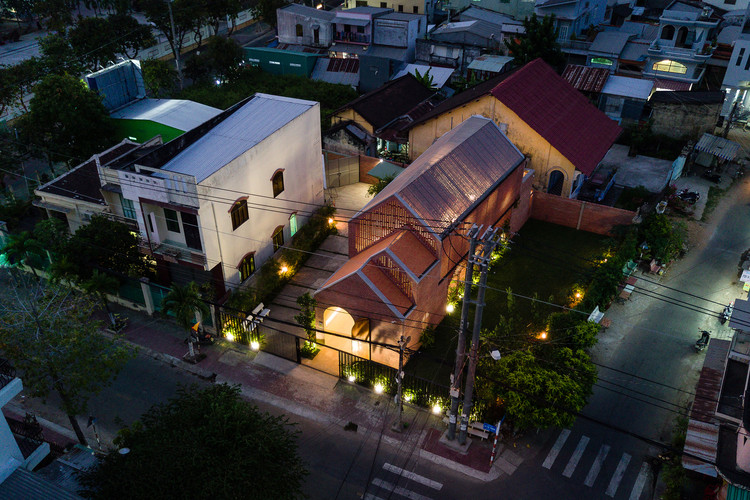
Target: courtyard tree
x,y
169,452
540,40
159,76
185,303
58,56
98,41
220,60
374,189
23,249
46,331
99,285
174,27
66,120
663,237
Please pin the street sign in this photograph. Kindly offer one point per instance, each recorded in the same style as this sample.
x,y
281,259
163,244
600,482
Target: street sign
x,y
489,428
745,278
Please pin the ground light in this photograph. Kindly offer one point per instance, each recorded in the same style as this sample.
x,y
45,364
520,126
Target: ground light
x,y
254,345
436,409
542,335
330,220
229,336
352,378
379,388
450,308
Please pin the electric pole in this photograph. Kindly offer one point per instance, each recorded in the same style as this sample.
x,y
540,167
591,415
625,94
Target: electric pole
x,y
174,42
398,424
461,348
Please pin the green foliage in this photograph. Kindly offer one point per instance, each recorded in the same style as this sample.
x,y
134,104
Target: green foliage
x,y
633,198
66,120
24,250
52,234
183,301
374,189
17,81
673,473
567,329
266,10
159,76
645,142
57,14
13,210
427,338
98,41
206,443
540,40
220,60
427,79
664,237
99,285
47,332
58,55
306,316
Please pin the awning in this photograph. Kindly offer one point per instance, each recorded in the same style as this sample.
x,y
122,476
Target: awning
x,y
661,84
385,169
718,146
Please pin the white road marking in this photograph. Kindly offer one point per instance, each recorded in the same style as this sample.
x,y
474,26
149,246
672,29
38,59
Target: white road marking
x,y
640,482
399,490
413,477
619,472
596,466
552,456
573,462
368,496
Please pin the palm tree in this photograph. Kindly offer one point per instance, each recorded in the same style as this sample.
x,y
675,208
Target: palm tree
x,y
99,285
24,250
184,301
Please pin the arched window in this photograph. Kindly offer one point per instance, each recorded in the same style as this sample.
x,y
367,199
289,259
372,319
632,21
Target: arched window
x,y
682,34
247,266
667,33
239,213
278,238
278,182
299,29
669,66
293,224
556,181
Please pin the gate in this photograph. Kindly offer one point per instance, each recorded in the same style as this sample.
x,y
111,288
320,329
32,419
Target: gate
x,y
282,344
342,171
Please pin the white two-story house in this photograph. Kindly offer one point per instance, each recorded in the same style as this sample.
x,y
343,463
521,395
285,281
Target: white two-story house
x,y
572,17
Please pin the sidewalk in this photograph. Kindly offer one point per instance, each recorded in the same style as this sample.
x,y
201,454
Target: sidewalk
x,y
299,390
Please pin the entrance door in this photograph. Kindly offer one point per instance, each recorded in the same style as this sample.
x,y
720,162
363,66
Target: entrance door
x,y
556,181
192,233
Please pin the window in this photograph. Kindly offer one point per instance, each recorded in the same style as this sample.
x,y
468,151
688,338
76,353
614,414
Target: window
x,y
128,209
278,238
173,223
740,55
670,67
667,33
747,64
247,266
730,2
400,8
602,60
383,5
278,182
563,33
292,224
238,213
415,9
299,29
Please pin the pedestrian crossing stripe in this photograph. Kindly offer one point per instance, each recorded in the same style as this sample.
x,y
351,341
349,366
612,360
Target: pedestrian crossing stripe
x,y
573,462
552,456
413,477
411,495
619,473
596,466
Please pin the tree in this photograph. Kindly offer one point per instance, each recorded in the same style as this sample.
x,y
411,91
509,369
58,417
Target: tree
x,y
427,79
159,76
266,10
98,41
374,189
99,285
46,331
184,301
66,120
58,13
570,331
24,250
52,234
540,40
58,55
182,15
206,443
107,245
664,238
220,60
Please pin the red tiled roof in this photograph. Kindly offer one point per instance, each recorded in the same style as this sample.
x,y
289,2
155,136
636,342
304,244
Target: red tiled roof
x,y
586,78
559,113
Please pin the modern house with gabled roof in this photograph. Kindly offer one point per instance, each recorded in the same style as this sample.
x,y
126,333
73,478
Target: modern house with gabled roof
x,y
564,136
406,244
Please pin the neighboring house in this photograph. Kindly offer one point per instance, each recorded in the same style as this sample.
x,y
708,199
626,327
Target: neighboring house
x,y
517,9
563,135
422,7
201,202
283,61
607,48
386,111
144,119
305,26
681,114
406,244
737,78
586,80
488,66
347,137
572,17
625,99
632,57
684,45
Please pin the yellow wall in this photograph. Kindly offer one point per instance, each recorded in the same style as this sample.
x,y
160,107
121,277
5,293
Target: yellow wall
x,y
350,114
543,158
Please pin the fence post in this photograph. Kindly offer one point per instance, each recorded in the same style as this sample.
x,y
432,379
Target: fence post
x,y
147,298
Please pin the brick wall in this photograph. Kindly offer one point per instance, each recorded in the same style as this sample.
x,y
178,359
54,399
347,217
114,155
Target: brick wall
x,y
586,216
678,120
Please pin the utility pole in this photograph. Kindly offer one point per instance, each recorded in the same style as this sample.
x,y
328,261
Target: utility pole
x,y
461,348
174,42
489,242
398,424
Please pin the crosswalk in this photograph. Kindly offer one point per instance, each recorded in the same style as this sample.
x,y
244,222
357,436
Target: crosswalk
x,y
386,485
608,469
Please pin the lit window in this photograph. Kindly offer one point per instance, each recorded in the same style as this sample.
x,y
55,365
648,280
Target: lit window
x,y
278,183
668,66
247,266
239,213
128,208
173,223
278,238
601,60
293,224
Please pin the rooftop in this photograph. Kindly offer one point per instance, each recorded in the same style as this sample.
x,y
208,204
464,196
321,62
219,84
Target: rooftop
x,y
440,76
688,97
610,42
586,78
176,113
489,62
623,86
309,11
486,15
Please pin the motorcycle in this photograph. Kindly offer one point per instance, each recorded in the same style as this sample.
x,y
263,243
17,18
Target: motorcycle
x,y
689,197
702,342
727,313
200,337
712,176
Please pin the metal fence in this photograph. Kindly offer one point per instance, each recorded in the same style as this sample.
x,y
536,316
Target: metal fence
x,y
236,326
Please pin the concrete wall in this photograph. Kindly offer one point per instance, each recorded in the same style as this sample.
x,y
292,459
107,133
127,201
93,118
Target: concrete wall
x,y
543,158
679,120
599,219
296,148
287,29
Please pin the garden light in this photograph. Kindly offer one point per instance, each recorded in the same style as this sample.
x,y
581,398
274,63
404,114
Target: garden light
x,y
436,409
450,308
229,336
284,269
407,397
254,345
379,388
330,220
578,295
351,378
542,335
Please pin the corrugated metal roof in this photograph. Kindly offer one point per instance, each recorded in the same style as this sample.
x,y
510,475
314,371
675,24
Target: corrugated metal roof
x,y
454,173
628,87
489,62
586,78
440,76
476,27
486,15
259,118
322,74
176,113
722,148
559,113
352,21
662,84
701,440
26,485
385,169
610,43
740,318
635,51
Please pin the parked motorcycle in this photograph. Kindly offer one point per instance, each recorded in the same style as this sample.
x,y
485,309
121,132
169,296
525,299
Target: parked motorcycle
x,y
200,337
702,342
726,313
712,176
689,197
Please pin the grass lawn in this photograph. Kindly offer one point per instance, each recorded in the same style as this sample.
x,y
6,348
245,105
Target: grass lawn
x,y
545,259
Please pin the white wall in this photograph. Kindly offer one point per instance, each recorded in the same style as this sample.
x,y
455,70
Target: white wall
x,y
296,147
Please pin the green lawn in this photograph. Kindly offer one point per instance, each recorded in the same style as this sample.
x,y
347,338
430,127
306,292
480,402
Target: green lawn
x,y
545,259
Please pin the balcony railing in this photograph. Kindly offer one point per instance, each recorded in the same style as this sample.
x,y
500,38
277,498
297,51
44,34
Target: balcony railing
x,y
172,252
680,52
349,37
444,61
7,372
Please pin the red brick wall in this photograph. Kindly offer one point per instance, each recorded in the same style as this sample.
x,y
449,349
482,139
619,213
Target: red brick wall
x,y
522,210
586,216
